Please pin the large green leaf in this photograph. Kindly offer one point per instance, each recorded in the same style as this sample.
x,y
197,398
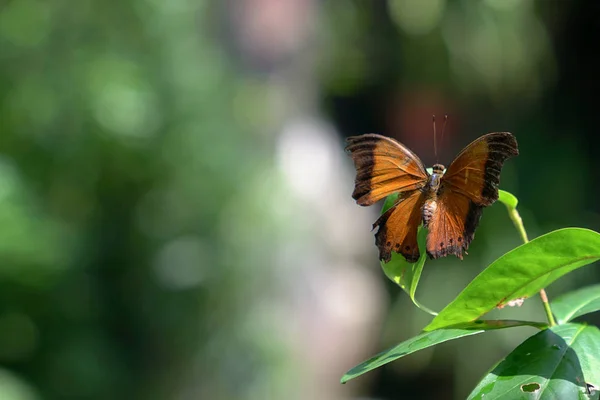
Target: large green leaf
x,y
576,303
398,270
428,339
521,273
562,362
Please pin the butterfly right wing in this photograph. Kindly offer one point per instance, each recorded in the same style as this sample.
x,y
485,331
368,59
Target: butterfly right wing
x,y
469,184
398,227
475,172
383,167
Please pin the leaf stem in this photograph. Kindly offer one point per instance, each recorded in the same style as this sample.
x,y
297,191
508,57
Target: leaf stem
x,y
516,219
518,222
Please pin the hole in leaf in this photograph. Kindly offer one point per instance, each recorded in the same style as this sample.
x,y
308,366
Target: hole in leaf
x,y
591,388
530,387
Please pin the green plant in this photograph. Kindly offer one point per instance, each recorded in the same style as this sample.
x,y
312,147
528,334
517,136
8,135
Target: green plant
x,y
562,361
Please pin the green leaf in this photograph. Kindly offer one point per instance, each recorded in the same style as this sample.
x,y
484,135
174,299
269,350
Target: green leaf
x,y
557,363
508,199
407,275
428,339
401,272
521,273
573,304
389,202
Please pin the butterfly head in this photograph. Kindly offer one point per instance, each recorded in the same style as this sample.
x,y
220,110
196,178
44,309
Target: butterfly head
x,y
434,180
438,169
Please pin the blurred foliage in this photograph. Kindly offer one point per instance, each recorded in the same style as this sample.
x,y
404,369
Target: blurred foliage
x,y
153,245
118,141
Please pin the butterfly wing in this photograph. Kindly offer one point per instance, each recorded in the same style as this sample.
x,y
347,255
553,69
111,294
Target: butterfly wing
x,y
469,184
383,167
398,227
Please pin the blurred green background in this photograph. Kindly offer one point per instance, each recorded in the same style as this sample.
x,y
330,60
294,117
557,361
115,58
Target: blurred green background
x,y
175,210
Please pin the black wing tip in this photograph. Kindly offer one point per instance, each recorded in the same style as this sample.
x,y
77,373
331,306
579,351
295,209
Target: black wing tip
x,y
386,256
385,253
471,222
365,136
353,142
361,197
507,139
446,251
412,257
503,135
351,139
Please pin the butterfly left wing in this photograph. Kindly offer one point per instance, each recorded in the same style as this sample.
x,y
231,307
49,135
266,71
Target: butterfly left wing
x,y
383,166
398,228
469,184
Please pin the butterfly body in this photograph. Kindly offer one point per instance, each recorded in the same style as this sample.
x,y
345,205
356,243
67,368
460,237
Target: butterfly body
x,y
449,202
435,178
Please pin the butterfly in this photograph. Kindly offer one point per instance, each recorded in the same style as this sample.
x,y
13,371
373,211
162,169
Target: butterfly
x,y
449,202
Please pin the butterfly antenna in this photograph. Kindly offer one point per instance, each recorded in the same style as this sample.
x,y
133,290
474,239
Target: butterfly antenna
x,y
434,141
444,128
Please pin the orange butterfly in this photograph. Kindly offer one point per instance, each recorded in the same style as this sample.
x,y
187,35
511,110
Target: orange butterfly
x,y
448,202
